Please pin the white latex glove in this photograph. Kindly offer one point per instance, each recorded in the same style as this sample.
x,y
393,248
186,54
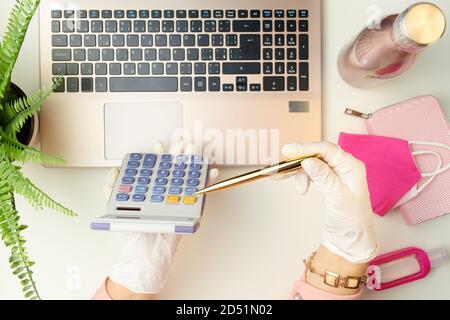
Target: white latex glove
x,y
349,230
145,258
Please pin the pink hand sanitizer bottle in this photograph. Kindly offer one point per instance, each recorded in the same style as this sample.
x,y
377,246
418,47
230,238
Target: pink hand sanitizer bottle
x,y
403,266
386,51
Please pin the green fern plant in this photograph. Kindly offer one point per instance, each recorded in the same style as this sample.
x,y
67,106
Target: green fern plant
x,y
14,113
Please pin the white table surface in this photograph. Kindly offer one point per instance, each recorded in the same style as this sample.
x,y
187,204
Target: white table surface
x,y
253,238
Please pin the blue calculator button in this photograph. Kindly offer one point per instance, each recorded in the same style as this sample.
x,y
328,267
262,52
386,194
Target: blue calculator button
x,y
194,174
192,182
127,180
165,165
175,190
149,160
195,166
189,191
179,166
146,172
166,157
162,173
196,158
156,198
141,189
182,158
178,173
159,189
143,180
176,182
138,197
136,156
161,181
122,197
130,172
133,164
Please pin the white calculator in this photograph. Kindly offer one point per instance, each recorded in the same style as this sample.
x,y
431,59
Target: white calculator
x,y
154,194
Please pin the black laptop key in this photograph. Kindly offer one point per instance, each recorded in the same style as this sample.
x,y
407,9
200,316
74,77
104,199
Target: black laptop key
x,y
125,26
303,47
68,26
61,54
224,26
81,14
144,14
59,69
207,54
107,14
250,48
182,26
203,40
161,40
164,54
153,26
72,69
241,68
169,14
186,68
255,87
291,26
193,54
69,14
206,14
119,14
56,14
86,85
179,54
303,76
150,54
217,40
267,26
230,14
96,26
111,26
168,26
228,87
175,40
200,68
193,14
171,68
200,84
221,54
72,85
101,84
181,14
156,14
82,26
196,26
131,14
56,26
292,83
210,26
246,26
139,26
94,14
243,13
274,83
189,40
185,84
157,68
279,25
218,14
143,84
255,13
214,84
214,68
59,40
303,26
231,40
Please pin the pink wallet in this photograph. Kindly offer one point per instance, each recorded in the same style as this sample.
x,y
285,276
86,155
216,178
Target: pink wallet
x,y
418,119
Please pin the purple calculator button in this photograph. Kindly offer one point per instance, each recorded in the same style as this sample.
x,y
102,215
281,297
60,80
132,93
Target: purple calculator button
x,y
166,157
176,182
122,197
194,174
133,164
175,190
178,173
161,181
146,172
197,158
195,166
156,198
141,189
127,180
192,182
138,197
159,189
165,165
136,156
143,180
179,166
149,160
182,158
163,173
130,172
189,191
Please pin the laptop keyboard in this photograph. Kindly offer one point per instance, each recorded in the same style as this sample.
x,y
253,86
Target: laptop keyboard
x,y
180,50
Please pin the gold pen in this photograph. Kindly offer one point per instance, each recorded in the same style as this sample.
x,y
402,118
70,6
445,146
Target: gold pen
x,y
286,166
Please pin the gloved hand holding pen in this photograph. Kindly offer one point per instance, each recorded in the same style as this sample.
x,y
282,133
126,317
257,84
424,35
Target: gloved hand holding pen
x,y
349,238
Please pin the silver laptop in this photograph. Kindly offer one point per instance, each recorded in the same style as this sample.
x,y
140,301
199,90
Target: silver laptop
x,y
237,79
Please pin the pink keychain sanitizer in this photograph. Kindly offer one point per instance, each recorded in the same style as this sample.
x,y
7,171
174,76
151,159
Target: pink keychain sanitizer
x,y
404,266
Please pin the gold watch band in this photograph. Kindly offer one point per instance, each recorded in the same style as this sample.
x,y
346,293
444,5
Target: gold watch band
x,y
334,279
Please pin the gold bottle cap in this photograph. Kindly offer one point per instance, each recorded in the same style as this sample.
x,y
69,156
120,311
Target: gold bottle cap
x,y
424,23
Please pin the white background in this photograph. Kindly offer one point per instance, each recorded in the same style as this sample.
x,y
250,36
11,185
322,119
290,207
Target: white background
x,y
252,238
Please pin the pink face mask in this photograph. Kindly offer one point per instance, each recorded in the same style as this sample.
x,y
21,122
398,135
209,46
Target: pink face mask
x,y
392,173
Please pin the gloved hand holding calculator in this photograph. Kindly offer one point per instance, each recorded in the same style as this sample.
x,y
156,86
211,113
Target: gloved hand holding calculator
x,y
146,258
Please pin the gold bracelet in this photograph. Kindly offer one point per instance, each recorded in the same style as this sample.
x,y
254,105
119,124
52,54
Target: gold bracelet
x,y
334,279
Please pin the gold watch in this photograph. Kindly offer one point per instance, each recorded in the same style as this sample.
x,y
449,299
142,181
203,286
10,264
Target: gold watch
x,y
334,279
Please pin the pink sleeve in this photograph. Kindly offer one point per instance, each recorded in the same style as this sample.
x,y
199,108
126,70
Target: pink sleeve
x,y
101,293
304,291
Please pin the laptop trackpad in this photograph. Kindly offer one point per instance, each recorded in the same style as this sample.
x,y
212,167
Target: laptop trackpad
x,y
136,127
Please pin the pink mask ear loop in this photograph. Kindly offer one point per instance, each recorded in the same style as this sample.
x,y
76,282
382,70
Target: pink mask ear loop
x,y
439,169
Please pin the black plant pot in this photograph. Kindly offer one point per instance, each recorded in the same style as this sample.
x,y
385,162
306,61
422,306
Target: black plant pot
x,y
27,133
